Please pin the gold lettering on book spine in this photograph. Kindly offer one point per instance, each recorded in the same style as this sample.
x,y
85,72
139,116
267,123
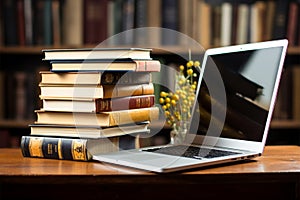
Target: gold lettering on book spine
x,y
60,156
79,150
35,147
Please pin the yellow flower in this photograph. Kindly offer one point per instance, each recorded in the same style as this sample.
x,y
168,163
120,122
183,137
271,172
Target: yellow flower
x,y
189,71
177,106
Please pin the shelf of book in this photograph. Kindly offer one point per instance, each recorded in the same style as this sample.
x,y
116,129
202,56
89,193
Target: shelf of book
x,y
206,28
293,50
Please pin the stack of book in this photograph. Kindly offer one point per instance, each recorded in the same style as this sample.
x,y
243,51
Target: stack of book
x,y
93,101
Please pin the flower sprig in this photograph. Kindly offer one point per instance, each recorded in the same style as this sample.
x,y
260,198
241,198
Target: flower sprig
x,y
177,105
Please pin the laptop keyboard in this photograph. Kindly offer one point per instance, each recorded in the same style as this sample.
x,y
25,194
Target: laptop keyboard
x,y
191,151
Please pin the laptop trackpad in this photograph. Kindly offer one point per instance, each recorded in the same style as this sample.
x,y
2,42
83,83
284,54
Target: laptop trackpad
x,y
157,160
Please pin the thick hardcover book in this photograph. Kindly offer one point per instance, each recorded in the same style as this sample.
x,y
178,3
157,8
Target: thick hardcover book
x,y
100,65
102,78
280,20
104,119
169,20
74,148
97,53
9,13
94,91
95,21
94,132
99,105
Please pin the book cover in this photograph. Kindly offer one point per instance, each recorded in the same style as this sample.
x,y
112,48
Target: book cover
x,y
154,20
169,20
28,18
9,10
106,65
104,119
280,20
295,92
75,149
94,91
243,15
21,22
70,131
102,78
95,21
56,22
226,24
99,105
97,53
292,23
38,22
47,23
127,23
72,22
141,21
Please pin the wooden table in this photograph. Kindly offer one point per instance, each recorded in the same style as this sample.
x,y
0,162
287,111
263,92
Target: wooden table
x,y
275,175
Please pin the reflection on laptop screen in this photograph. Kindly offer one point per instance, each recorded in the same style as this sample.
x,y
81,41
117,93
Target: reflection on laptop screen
x,y
249,79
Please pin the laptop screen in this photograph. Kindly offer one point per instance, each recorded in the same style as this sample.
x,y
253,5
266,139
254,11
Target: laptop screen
x,y
236,93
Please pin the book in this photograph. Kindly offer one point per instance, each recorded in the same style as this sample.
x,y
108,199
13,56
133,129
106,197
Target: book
x,y
10,27
70,131
169,20
72,22
127,22
96,53
28,20
295,92
104,119
75,149
94,91
93,77
98,105
100,65
154,20
95,22
280,19
292,23
243,21
226,24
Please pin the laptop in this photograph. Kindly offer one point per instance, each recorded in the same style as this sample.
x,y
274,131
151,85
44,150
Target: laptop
x,y
230,121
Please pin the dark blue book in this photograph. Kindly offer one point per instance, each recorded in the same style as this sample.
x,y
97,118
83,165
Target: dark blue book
x,y
170,20
280,20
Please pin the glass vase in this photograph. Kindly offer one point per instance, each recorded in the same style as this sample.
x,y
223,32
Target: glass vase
x,y
178,132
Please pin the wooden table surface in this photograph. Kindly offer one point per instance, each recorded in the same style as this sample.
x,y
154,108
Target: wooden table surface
x,y
276,174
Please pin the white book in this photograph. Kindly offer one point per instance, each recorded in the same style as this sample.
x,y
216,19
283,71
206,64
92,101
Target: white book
x,y
226,23
242,23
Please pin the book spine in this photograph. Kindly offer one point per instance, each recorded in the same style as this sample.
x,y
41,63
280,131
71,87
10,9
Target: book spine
x,y
170,20
111,91
72,22
133,116
21,22
280,21
131,102
149,66
10,22
95,21
111,78
75,149
55,148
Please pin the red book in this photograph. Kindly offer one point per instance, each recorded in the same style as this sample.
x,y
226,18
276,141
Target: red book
x,y
292,23
95,21
99,105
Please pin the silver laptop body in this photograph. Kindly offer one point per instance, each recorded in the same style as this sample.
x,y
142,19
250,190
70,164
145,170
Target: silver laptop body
x,y
236,97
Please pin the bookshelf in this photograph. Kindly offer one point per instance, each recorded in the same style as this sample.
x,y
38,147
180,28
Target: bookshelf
x,y
69,29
